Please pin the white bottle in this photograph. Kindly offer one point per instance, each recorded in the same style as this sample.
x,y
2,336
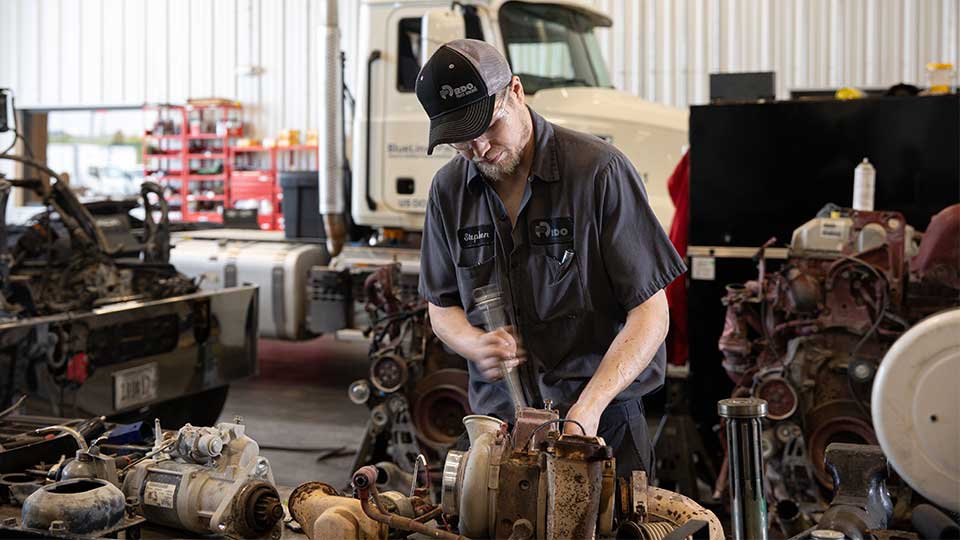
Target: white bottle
x,y
864,182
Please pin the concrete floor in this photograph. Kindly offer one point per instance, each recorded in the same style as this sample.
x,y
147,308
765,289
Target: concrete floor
x,y
299,400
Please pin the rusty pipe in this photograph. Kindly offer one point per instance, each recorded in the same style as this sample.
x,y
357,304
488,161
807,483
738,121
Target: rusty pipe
x,y
324,514
365,481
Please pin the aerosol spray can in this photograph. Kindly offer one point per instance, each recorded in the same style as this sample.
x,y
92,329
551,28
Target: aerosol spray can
x,y
864,182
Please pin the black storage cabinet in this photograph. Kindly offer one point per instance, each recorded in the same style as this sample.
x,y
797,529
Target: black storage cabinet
x,y
301,204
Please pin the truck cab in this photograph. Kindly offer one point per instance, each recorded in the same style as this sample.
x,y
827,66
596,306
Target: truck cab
x,y
551,46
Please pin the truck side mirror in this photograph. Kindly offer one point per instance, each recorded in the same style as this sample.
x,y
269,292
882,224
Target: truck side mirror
x,y
439,26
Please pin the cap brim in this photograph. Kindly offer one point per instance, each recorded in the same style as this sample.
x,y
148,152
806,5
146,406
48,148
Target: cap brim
x,y
463,124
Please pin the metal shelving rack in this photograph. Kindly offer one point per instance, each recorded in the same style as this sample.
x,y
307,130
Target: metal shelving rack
x,y
186,151
206,144
163,147
261,183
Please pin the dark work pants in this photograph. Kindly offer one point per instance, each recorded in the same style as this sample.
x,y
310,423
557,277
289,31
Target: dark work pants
x,y
624,427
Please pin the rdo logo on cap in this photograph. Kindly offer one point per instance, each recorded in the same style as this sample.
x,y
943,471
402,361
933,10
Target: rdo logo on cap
x,y
458,92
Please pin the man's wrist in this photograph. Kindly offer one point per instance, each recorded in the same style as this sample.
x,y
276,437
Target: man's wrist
x,y
593,403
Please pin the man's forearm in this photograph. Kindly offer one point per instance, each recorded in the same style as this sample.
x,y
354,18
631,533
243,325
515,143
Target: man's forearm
x,y
450,324
630,353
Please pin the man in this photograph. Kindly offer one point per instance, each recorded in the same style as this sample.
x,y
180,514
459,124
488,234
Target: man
x,y
559,220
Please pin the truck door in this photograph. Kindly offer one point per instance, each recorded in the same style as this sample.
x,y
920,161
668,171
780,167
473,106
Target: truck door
x,y
401,144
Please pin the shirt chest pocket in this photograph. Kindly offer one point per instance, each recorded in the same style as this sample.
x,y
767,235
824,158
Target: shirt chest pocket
x,y
556,285
472,275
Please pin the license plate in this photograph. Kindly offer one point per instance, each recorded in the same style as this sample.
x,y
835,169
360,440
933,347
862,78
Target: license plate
x,y
134,386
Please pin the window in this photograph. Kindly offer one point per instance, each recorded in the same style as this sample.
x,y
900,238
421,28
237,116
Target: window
x,y
408,54
551,46
100,149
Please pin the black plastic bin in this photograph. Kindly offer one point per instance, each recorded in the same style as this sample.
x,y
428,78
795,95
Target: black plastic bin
x,y
301,204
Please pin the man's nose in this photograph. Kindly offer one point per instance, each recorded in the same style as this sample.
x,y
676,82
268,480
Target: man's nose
x,y
480,147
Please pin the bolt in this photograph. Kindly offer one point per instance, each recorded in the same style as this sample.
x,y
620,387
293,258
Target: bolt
x,y
238,419
861,372
221,527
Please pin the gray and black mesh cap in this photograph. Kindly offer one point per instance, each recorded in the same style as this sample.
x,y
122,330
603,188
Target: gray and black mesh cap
x,y
457,87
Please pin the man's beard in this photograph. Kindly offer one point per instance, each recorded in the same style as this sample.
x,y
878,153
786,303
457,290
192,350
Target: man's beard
x,y
498,171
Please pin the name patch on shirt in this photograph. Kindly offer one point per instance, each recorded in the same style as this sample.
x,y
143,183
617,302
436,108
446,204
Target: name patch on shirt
x,y
556,230
476,236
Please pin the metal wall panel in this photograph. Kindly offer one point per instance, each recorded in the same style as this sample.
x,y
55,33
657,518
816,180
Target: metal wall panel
x,y
664,50
92,52
128,52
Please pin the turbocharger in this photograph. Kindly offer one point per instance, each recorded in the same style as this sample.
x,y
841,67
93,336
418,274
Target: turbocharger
x,y
209,481
536,483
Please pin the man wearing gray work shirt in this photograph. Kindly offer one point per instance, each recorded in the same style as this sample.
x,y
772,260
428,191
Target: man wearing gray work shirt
x,y
560,221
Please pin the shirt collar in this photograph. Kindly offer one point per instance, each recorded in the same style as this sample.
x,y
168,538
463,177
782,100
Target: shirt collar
x,y
545,165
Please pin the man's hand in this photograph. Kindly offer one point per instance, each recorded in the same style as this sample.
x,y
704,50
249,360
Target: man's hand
x,y
588,414
485,349
491,349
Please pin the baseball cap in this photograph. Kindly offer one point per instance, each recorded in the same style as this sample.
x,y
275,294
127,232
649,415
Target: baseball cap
x,y
457,88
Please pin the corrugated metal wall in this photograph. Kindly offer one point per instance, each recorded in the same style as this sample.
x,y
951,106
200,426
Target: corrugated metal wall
x,y
89,52
663,50
116,52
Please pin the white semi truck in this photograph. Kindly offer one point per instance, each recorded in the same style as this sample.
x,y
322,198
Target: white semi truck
x,y
382,188
551,46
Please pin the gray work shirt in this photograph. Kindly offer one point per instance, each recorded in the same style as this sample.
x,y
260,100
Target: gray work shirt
x,y
584,197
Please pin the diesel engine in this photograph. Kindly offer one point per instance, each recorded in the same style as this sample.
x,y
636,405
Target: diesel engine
x,y
809,338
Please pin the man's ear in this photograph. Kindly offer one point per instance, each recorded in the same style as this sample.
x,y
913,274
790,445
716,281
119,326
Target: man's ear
x,y
516,87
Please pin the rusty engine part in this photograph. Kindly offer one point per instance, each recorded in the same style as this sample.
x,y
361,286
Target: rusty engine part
x,y
404,517
82,506
324,513
810,337
532,482
748,506
209,481
416,392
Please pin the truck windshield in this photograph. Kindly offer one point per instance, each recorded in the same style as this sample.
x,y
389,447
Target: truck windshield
x,y
551,46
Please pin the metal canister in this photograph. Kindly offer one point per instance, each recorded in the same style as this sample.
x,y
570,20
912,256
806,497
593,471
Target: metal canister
x,y
864,185
747,504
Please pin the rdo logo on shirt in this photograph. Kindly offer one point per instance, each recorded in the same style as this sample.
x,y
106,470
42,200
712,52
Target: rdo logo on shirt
x,y
544,230
552,230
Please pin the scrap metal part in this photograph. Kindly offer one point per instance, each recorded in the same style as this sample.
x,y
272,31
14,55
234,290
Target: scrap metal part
x,y
324,513
209,481
533,482
84,506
